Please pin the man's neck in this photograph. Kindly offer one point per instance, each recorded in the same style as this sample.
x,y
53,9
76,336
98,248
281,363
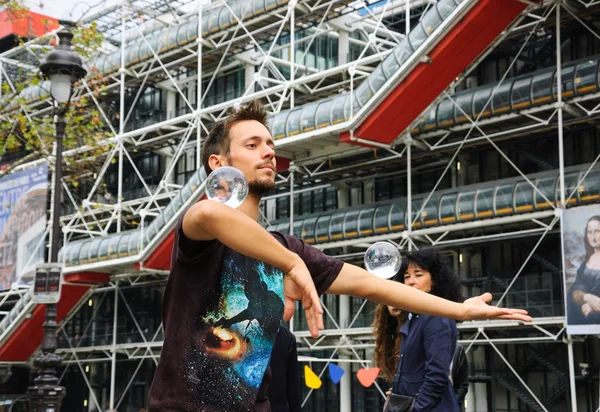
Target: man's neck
x,y
250,206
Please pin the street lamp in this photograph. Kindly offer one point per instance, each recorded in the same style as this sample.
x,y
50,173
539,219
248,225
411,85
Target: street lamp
x,y
63,67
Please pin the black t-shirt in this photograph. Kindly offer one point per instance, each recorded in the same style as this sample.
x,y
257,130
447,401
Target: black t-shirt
x,y
221,311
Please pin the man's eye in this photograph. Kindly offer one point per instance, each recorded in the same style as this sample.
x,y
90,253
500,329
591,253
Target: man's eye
x,y
251,145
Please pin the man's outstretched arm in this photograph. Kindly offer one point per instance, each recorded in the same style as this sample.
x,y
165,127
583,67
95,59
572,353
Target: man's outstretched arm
x,y
355,281
208,220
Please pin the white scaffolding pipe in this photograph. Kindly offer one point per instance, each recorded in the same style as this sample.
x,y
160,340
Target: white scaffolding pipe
x,y
291,209
292,51
559,105
199,89
121,127
573,390
113,350
407,16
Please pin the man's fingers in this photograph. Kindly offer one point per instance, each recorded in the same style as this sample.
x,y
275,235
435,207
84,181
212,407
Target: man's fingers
x,y
289,309
317,309
314,314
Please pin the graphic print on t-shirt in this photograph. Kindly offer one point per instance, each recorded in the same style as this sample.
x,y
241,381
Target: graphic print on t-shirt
x,y
231,345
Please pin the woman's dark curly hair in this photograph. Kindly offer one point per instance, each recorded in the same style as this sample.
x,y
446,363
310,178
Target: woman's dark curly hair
x,y
444,283
387,340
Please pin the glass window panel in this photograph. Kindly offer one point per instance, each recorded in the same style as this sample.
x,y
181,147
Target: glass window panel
x,y
589,189
73,258
84,253
466,202
485,203
570,185
448,208
546,187
430,211
431,21
337,226
465,107
382,219
366,221
103,249
308,229
567,75
445,113
323,114
279,125
123,245
397,216
416,207
586,77
501,99
523,197
298,227
351,224
337,110
308,117
417,36
323,228
213,20
504,199
377,78
430,119
318,201
480,102
293,122
541,88
521,93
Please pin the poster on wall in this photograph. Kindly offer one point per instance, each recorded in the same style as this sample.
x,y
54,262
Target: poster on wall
x,y
580,228
22,224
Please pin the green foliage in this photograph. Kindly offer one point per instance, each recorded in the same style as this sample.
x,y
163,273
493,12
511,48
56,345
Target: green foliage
x,y
27,127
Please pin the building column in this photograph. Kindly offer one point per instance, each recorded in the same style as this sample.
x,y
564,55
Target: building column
x,y
171,103
343,47
343,197
249,70
345,383
368,191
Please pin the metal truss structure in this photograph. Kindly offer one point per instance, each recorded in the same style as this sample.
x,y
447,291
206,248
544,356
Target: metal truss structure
x,y
184,49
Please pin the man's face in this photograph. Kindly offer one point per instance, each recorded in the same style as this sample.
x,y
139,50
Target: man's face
x,y
252,151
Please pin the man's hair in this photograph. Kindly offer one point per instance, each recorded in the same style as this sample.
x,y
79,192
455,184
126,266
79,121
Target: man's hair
x,y
218,140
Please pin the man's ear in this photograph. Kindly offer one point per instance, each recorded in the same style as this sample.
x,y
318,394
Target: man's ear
x,y
215,161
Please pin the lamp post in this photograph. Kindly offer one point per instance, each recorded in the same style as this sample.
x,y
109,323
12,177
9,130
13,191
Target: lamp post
x,y
63,67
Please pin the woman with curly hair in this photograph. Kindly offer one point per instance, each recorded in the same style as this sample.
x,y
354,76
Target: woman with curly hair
x,y
386,327
426,343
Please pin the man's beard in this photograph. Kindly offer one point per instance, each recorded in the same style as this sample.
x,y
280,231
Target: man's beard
x,y
258,188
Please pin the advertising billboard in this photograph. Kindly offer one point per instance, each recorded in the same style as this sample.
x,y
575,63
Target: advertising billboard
x,y
580,228
22,223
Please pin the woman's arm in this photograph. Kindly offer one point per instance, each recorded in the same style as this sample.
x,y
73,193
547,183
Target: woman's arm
x,y
356,281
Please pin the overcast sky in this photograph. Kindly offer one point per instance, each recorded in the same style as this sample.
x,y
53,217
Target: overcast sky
x,y
68,9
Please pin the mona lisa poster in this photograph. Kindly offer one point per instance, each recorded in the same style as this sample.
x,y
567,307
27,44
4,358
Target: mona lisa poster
x,y
580,228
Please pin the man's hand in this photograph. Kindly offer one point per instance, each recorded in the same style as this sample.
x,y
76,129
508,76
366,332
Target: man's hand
x,y
477,308
298,285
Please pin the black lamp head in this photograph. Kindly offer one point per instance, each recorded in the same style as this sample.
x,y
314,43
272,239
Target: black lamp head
x,y
63,60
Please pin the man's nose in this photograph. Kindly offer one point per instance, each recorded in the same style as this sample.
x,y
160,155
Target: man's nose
x,y
269,153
